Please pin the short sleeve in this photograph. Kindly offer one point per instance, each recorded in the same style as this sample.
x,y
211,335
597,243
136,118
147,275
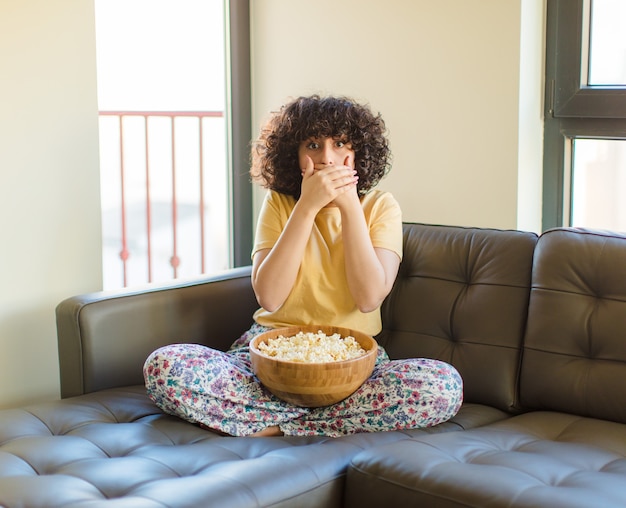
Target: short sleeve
x,y
385,223
273,216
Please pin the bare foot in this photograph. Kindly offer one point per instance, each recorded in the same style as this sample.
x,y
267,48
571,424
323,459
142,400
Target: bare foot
x,y
268,431
205,427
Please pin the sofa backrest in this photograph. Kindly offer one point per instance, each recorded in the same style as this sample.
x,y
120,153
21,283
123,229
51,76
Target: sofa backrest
x,y
461,296
105,337
574,357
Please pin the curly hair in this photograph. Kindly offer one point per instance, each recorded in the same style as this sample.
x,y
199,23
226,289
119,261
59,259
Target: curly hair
x,y
274,155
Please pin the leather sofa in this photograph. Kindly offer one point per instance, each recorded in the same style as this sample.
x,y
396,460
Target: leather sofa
x,y
535,325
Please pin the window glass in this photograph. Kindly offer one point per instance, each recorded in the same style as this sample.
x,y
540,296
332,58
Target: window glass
x,y
163,147
598,184
607,45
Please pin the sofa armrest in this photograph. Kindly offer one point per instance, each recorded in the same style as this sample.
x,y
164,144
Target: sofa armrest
x,y
105,337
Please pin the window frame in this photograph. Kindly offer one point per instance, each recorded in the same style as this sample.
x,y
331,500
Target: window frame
x,y
239,127
572,108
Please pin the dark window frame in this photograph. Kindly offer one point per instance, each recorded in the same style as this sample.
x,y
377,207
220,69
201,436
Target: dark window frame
x,y
239,127
572,109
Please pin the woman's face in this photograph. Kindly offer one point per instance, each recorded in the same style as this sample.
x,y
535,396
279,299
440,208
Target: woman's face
x,y
326,152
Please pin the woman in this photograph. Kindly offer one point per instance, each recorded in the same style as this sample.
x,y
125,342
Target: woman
x,y
327,251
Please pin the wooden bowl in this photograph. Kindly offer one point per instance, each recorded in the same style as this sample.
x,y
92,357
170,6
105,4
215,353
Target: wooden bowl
x,y
313,384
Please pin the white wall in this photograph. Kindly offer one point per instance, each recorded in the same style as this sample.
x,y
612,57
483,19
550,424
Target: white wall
x,y
49,190
530,149
446,76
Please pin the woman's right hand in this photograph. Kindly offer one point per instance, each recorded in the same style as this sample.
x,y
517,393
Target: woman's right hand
x,y
322,183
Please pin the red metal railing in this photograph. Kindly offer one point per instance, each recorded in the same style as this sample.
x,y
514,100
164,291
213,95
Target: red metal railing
x,y
175,259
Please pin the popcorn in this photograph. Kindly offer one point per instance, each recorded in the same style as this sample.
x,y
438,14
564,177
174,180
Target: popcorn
x,y
312,348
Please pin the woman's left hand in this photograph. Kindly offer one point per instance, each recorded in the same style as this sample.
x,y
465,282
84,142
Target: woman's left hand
x,y
328,183
350,198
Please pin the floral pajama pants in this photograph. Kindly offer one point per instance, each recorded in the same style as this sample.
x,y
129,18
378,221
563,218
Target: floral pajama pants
x,y
219,389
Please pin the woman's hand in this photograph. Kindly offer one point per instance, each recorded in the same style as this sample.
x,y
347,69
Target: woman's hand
x,y
323,184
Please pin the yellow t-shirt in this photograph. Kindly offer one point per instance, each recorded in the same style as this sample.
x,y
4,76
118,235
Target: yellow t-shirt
x,y
320,295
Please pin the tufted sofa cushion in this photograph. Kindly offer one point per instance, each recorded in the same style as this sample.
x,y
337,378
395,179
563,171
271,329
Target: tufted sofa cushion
x,y
575,347
461,296
535,460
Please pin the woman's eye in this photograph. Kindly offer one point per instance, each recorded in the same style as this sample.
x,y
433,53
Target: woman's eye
x,y
340,143
312,145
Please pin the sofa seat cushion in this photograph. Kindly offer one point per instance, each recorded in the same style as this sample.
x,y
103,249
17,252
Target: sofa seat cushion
x,y
532,460
116,445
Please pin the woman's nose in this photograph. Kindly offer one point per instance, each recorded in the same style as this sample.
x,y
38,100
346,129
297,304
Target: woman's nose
x,y
327,154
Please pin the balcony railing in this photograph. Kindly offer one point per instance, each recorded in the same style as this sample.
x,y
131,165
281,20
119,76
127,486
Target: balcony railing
x,y
164,195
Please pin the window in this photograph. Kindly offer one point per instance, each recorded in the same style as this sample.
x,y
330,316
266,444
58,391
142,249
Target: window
x,y
585,117
174,98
